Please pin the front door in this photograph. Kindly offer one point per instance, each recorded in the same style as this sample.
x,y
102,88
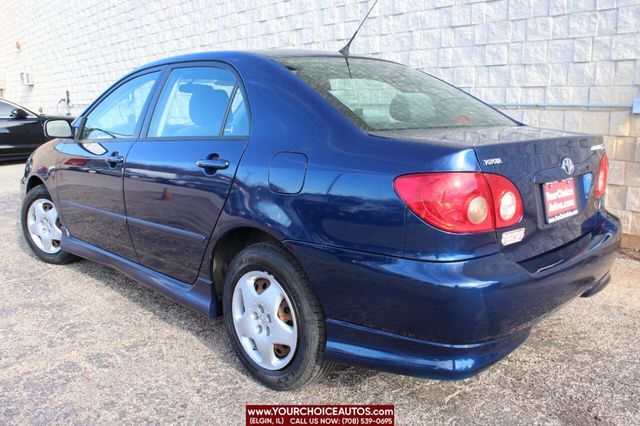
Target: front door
x,y
18,136
177,177
90,167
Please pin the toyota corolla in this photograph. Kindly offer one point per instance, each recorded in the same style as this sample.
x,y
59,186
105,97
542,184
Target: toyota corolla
x,y
333,208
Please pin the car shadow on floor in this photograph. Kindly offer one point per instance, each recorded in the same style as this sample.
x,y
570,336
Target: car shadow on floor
x,y
210,332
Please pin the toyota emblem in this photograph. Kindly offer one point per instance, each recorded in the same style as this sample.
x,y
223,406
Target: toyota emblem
x,y
567,166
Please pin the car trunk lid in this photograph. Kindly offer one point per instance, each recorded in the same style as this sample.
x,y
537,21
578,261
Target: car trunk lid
x,y
555,174
532,158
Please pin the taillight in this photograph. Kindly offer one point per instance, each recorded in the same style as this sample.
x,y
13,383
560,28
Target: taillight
x,y
507,203
461,202
601,179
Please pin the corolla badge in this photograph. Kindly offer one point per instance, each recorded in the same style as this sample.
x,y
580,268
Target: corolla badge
x,y
567,165
492,161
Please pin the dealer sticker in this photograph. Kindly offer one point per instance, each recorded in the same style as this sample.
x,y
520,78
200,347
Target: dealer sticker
x,y
512,237
560,200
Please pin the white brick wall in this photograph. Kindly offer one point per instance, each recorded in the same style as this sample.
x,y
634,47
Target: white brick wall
x,y
524,52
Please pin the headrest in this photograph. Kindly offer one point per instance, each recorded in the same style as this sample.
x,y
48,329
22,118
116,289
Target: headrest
x,y
412,107
207,105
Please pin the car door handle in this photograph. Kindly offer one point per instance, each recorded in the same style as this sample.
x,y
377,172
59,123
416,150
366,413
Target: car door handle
x,y
216,164
114,159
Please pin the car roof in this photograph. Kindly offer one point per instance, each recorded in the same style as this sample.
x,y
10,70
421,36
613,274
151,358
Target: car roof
x,y
231,55
295,53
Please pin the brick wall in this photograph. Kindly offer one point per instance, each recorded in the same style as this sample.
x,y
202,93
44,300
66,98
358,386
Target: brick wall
x,y
518,54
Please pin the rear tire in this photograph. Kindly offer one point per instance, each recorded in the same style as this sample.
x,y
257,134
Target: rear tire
x,y
274,318
42,227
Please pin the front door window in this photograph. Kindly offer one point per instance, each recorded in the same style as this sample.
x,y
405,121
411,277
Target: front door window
x,y
117,116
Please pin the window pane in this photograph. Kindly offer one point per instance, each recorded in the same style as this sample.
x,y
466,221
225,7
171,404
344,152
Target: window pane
x,y
237,121
381,95
193,103
118,114
5,109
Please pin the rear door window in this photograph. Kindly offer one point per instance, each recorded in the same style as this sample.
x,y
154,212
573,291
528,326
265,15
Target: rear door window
x,y
194,103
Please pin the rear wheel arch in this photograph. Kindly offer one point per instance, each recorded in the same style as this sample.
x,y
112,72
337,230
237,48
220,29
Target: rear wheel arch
x,y
249,318
229,245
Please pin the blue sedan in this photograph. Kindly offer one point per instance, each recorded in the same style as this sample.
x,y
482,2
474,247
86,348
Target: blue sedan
x,y
335,208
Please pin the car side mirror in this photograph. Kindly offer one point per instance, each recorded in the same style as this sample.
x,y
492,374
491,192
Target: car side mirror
x,y
58,129
18,114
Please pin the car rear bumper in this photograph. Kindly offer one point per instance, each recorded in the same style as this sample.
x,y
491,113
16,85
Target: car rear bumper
x,y
447,319
353,344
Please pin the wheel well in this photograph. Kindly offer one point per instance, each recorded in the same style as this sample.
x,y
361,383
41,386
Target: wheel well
x,y
33,182
232,243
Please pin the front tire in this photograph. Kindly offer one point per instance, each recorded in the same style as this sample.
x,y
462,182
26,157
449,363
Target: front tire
x,y
42,227
274,318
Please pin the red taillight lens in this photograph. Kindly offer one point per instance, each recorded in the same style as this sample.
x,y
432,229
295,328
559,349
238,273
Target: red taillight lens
x,y
603,174
450,201
461,202
507,203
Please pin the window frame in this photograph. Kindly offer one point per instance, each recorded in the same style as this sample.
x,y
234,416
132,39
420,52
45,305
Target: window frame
x,y
144,133
81,121
30,114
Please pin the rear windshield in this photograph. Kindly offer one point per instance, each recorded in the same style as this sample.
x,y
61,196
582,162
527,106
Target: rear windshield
x,y
379,95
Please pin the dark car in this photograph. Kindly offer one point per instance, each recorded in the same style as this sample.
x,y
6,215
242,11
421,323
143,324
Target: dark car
x,y
333,208
21,131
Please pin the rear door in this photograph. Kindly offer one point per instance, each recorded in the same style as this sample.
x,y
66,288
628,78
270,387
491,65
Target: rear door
x,y
90,166
178,175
